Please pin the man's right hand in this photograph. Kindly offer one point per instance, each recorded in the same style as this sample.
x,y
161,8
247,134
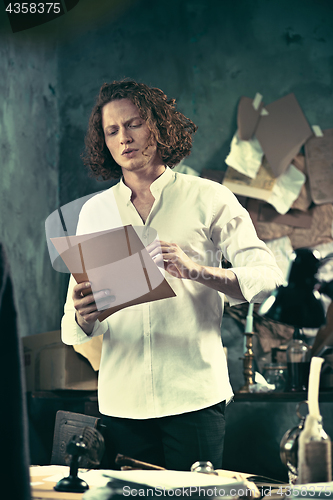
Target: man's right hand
x,y
85,305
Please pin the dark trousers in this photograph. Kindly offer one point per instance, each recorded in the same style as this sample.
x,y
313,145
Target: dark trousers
x,y
174,442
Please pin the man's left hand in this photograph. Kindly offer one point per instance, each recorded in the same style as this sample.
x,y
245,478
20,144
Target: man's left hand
x,y
174,260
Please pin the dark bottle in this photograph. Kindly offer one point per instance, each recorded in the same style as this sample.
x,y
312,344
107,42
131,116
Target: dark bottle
x,y
298,362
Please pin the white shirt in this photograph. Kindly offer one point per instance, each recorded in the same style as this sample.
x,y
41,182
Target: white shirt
x,y
166,357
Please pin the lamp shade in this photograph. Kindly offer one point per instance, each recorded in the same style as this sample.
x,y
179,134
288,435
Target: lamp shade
x,y
298,303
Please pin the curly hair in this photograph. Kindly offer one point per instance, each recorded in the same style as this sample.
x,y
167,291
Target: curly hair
x,y
170,128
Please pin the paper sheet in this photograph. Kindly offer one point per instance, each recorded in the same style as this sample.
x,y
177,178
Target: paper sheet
x,y
116,260
125,280
319,161
282,132
171,479
286,189
248,116
245,156
51,470
260,187
160,480
53,474
280,192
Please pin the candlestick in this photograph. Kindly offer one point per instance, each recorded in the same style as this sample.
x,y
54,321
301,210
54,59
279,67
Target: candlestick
x,y
249,354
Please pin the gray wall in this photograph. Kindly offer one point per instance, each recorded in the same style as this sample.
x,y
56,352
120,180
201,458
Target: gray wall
x,y
29,151
205,53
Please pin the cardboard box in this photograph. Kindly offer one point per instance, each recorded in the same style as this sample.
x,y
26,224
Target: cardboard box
x,y
51,365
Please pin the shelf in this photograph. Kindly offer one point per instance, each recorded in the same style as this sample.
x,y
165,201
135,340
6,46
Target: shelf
x,y
279,397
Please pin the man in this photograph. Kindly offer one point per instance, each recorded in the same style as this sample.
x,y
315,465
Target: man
x,y
163,380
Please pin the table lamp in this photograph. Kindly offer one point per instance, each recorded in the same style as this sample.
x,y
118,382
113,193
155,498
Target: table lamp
x,y
299,304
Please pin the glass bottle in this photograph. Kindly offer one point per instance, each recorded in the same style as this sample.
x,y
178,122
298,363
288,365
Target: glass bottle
x,y
314,452
204,466
298,362
314,445
275,373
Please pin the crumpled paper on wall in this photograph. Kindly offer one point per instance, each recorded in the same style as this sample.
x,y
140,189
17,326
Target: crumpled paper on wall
x,y
245,156
249,174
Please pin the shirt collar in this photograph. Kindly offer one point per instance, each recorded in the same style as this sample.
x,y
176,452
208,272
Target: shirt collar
x,y
155,188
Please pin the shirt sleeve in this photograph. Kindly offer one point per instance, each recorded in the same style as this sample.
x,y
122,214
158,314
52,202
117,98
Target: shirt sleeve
x,y
252,261
71,332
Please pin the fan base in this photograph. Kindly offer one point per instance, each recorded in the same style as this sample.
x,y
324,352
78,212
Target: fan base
x,y
71,483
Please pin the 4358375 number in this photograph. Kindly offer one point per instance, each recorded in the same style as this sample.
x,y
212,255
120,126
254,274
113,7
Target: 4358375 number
x,y
317,491
34,8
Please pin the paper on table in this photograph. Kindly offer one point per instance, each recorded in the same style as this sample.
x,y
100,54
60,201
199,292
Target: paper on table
x,y
167,479
319,161
248,117
170,478
94,477
282,132
245,156
51,470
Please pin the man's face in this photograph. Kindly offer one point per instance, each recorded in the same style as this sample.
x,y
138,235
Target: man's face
x,y
127,136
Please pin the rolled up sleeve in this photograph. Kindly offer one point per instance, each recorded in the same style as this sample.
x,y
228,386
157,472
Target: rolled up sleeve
x,y
252,261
